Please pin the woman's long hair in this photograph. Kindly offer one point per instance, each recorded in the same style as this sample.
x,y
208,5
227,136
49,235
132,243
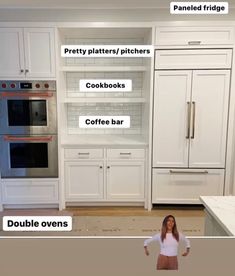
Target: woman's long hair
x,y
175,232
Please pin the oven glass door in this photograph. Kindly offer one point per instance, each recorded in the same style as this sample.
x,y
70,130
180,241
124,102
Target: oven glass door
x,y
27,112
28,156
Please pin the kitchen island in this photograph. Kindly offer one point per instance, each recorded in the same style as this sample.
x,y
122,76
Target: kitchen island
x,y
220,214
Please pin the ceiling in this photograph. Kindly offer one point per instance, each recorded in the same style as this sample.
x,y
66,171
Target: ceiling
x,y
99,10
83,4
91,4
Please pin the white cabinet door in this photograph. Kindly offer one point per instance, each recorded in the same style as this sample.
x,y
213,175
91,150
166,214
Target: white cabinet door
x,y
193,59
185,186
39,52
209,118
172,94
194,35
84,180
29,191
125,180
11,53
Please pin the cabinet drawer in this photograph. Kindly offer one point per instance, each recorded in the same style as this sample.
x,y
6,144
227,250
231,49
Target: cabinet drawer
x,y
23,192
125,153
185,186
83,153
193,59
194,36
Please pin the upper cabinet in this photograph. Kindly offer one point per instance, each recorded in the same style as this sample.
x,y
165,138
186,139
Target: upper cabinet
x,y
193,59
27,53
194,36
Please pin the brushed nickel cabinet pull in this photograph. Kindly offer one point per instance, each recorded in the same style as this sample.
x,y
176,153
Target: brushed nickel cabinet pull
x,y
188,120
188,172
194,111
195,42
125,153
83,153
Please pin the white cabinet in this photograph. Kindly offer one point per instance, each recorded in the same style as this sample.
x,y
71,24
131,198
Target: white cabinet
x,y
193,59
125,153
194,35
27,53
84,180
190,118
190,124
210,96
83,154
172,93
107,175
39,52
11,52
185,185
125,180
30,191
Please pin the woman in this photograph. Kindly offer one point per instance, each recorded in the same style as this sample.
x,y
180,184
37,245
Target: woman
x,y
169,240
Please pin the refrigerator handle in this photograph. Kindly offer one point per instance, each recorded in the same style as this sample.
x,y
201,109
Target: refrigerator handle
x,y
193,119
188,119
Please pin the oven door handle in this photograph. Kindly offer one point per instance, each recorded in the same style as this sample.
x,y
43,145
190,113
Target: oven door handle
x,y
26,94
33,139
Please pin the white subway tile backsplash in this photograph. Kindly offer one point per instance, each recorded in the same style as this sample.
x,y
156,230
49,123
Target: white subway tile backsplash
x,y
104,109
103,61
72,83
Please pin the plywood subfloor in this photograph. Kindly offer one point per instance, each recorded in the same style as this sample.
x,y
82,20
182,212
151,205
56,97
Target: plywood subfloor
x,y
185,211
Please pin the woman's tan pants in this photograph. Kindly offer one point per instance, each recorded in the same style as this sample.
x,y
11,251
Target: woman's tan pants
x,y
166,262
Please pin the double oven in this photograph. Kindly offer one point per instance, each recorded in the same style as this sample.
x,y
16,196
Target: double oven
x,y
28,129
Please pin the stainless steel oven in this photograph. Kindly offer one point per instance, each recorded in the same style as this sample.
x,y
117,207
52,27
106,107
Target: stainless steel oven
x,y
28,107
28,156
28,129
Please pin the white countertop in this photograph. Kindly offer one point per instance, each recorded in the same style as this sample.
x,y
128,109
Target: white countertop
x,y
102,140
222,208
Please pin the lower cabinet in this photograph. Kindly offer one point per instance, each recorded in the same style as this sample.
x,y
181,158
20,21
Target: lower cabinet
x,y
29,191
84,180
125,180
185,186
117,177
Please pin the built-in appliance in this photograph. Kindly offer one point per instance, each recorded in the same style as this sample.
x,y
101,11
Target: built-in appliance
x,y
28,107
28,156
28,129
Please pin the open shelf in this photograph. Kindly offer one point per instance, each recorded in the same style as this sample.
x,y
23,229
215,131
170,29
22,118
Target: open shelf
x,y
103,100
103,68
74,102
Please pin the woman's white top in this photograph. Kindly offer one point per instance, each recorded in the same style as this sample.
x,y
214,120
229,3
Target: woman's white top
x,y
169,246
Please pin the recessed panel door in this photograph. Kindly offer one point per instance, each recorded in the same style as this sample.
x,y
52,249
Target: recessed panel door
x,y
172,95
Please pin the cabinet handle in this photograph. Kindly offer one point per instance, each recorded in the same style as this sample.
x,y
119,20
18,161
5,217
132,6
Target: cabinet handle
x,y
101,167
195,42
125,153
188,172
26,70
188,120
108,167
21,70
194,111
83,153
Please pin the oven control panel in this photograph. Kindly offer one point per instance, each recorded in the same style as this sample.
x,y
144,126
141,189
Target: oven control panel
x,y
27,85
